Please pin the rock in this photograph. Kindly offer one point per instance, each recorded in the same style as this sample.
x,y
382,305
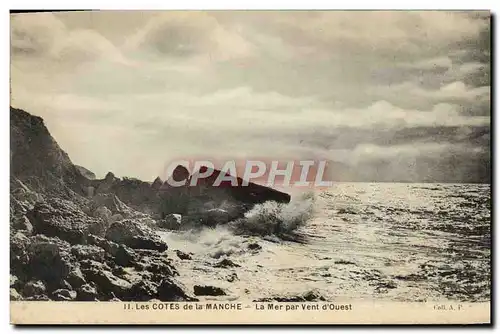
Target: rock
x,y
104,213
34,288
49,258
157,183
183,256
38,298
64,295
141,242
234,190
86,293
14,295
226,263
124,256
101,242
135,236
91,252
85,172
143,290
217,216
231,278
21,194
37,160
124,231
168,290
63,219
116,217
254,246
159,266
313,296
13,280
93,265
22,223
110,177
206,290
112,204
19,257
108,283
18,208
172,221
64,284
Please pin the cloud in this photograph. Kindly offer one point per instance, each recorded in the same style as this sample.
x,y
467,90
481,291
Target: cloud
x,y
455,92
188,35
43,35
372,31
256,83
430,64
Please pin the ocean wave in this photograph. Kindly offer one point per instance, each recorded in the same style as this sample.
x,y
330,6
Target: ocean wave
x,y
277,219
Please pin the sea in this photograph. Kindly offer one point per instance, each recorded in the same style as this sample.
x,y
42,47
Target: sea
x,y
351,242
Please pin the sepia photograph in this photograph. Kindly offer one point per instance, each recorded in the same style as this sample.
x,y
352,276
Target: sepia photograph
x,y
299,166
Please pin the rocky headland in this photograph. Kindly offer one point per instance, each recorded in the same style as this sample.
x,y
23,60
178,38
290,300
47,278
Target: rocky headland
x,y
75,237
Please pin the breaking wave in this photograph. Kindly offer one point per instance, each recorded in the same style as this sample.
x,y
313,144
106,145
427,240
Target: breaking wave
x,y
278,219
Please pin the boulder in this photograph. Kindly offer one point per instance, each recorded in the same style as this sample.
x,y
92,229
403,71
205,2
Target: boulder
x,y
124,256
64,295
254,246
233,277
169,290
115,218
34,288
19,257
121,254
159,266
104,213
143,290
108,283
84,252
49,258
14,295
206,290
135,236
183,256
22,223
171,221
226,263
86,293
65,220
13,280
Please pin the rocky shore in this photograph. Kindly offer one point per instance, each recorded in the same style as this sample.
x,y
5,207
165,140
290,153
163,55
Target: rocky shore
x,y
74,237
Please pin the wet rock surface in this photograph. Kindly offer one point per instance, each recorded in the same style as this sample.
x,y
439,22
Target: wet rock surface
x,y
206,290
226,263
183,256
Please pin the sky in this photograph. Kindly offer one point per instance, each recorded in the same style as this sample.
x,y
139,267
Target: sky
x,y
389,96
